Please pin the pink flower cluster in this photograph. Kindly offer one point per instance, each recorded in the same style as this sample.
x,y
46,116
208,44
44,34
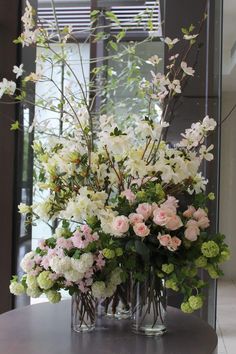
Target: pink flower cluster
x,y
164,215
83,237
198,221
172,243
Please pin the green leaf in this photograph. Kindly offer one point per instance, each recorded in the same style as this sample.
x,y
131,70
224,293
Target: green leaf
x,y
15,125
94,13
112,17
184,30
113,45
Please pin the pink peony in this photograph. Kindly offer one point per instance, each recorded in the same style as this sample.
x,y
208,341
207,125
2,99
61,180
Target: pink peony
x,y
164,240
129,195
189,212
171,203
141,229
175,242
120,225
145,210
174,222
86,230
200,213
203,223
192,230
135,218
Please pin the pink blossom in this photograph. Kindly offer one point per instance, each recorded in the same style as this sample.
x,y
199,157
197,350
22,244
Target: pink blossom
x,y
95,236
189,212
62,242
45,262
175,242
37,259
200,213
120,225
100,261
203,223
171,203
86,230
82,287
54,276
129,195
192,230
173,223
135,218
141,229
89,281
145,210
80,241
164,240
68,283
42,244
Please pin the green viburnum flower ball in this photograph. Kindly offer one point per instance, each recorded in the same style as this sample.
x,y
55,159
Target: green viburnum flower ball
x,y
171,284
53,296
31,281
34,292
160,274
16,288
119,252
185,307
167,268
224,256
212,271
201,262
44,280
109,254
195,302
210,249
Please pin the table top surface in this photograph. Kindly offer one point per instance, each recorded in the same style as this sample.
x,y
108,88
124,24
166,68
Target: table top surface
x,y
45,329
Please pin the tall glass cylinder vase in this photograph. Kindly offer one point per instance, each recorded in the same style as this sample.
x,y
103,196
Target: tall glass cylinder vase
x,y
83,310
119,305
149,304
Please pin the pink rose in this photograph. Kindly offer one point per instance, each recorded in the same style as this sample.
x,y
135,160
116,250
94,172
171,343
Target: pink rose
x,y
164,240
189,212
171,203
135,218
200,213
141,229
129,195
145,210
174,222
192,230
175,242
120,225
203,223
161,216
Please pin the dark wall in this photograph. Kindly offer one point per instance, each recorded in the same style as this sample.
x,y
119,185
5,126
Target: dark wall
x,y
9,23
201,95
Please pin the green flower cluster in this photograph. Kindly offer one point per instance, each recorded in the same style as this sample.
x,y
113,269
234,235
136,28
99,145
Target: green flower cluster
x,y
44,280
194,303
167,268
210,249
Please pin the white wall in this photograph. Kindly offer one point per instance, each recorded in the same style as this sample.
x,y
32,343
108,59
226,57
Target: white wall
x,y
228,181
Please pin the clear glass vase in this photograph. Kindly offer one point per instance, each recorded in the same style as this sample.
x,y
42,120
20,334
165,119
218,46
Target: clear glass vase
x,y
83,312
149,303
119,305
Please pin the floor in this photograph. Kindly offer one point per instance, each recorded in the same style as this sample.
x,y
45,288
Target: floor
x,y
226,317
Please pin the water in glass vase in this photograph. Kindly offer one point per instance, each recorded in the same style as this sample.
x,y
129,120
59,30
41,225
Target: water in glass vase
x,y
119,306
149,306
83,310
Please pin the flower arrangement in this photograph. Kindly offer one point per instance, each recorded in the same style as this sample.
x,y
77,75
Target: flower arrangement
x,y
124,201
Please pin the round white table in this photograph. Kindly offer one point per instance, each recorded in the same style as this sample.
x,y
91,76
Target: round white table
x,y
45,329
